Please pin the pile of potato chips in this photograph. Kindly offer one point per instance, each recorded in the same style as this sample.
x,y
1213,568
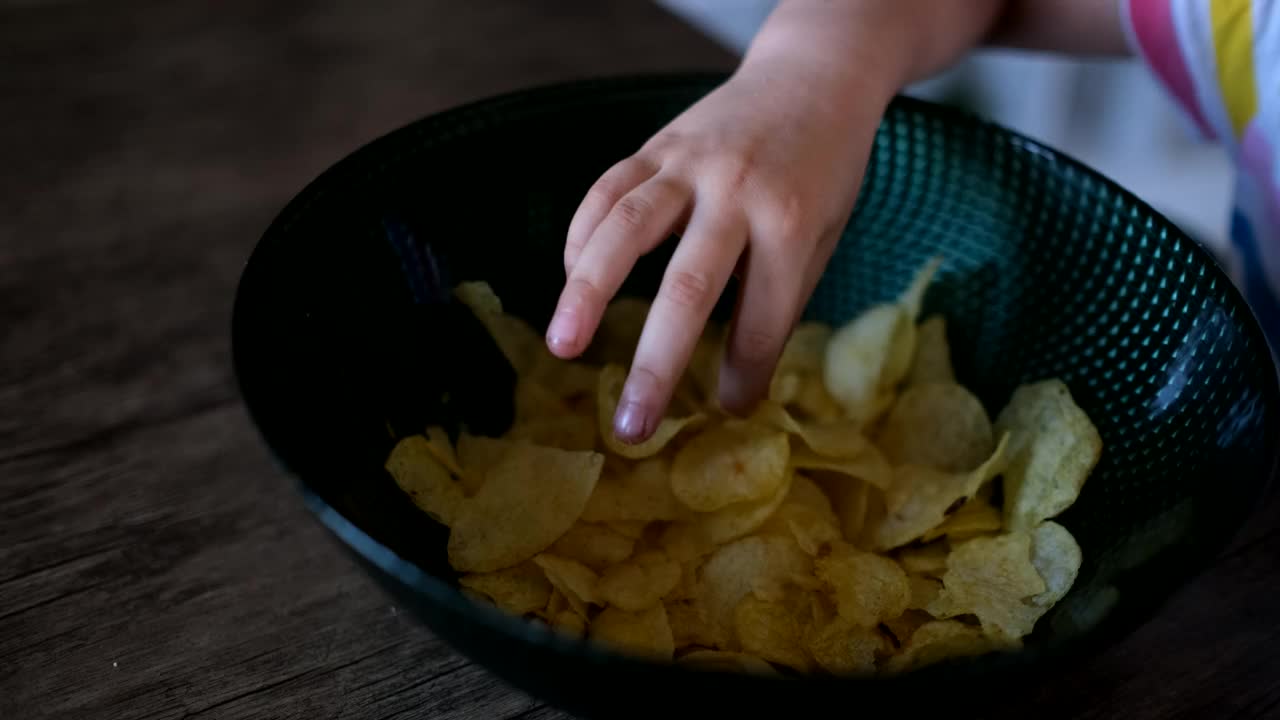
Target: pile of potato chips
x,y
868,518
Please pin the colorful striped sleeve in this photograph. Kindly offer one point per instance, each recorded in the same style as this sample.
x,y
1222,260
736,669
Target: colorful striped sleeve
x,y
1219,59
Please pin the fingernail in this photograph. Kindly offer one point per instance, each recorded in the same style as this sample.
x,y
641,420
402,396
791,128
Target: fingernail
x,y
562,333
631,422
634,422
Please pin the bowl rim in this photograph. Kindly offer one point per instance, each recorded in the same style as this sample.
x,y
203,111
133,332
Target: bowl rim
x,y
520,630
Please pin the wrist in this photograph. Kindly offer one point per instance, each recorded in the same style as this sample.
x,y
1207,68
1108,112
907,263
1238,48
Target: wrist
x,y
858,49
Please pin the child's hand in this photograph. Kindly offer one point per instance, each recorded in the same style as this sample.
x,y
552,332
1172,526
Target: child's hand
x,y
760,176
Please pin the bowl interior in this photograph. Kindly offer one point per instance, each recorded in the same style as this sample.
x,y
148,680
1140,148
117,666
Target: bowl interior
x,y
345,340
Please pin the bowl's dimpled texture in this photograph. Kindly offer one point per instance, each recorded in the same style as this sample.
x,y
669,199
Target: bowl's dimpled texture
x,y
1050,271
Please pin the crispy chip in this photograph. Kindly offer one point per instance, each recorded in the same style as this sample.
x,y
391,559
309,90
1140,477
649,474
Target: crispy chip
x,y
869,467
773,630
575,581
646,633
476,454
928,559
924,591
633,529
937,425
519,342
442,448
596,546
932,363
939,640
688,624
992,578
849,499
732,521
618,335
867,358
566,432
518,590
535,401
921,498
722,661
1053,447
842,647
640,582
806,515
1056,556
570,381
640,493
831,439
569,623
735,462
763,565
975,517
612,378
868,588
531,497
421,476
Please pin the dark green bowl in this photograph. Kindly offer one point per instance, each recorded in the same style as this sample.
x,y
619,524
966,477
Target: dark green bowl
x,y
343,335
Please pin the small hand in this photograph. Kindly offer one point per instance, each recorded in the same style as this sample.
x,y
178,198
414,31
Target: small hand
x,y
760,176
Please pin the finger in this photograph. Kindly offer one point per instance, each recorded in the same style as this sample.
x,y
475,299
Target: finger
x,y
693,282
768,305
616,182
637,223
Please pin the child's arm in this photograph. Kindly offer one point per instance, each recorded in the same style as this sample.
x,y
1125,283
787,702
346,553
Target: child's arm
x,y
761,176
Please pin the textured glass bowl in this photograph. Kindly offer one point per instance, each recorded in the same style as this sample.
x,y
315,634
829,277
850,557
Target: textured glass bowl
x,y
344,336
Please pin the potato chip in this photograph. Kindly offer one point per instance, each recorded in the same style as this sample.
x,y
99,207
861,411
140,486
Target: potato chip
x,y
534,401
867,358
722,661
835,439
806,515
421,476
569,623
609,390
618,335
531,497
688,624
772,630
514,337
640,582
932,362
943,640
1056,556
870,467
518,590
921,498
992,578
646,633
800,364
476,454
975,517
849,498
1052,449
570,381
868,588
937,425
930,559
641,492
596,546
633,529
575,581
442,448
763,565
734,521
734,462
566,432
924,591
842,647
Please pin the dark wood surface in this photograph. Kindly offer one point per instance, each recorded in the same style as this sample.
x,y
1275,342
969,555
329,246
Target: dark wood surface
x,y
153,562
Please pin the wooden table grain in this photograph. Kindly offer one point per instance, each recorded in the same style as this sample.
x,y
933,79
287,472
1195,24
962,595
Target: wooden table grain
x,y
154,563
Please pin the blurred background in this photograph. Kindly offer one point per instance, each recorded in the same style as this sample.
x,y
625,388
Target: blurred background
x,y
1111,115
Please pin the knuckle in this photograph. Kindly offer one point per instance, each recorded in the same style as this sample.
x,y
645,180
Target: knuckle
x,y
755,347
689,289
584,290
633,211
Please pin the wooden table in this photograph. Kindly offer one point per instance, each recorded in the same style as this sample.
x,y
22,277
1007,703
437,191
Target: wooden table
x,y
153,562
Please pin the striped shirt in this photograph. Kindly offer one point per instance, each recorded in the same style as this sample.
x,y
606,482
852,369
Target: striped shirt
x,y
1220,61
